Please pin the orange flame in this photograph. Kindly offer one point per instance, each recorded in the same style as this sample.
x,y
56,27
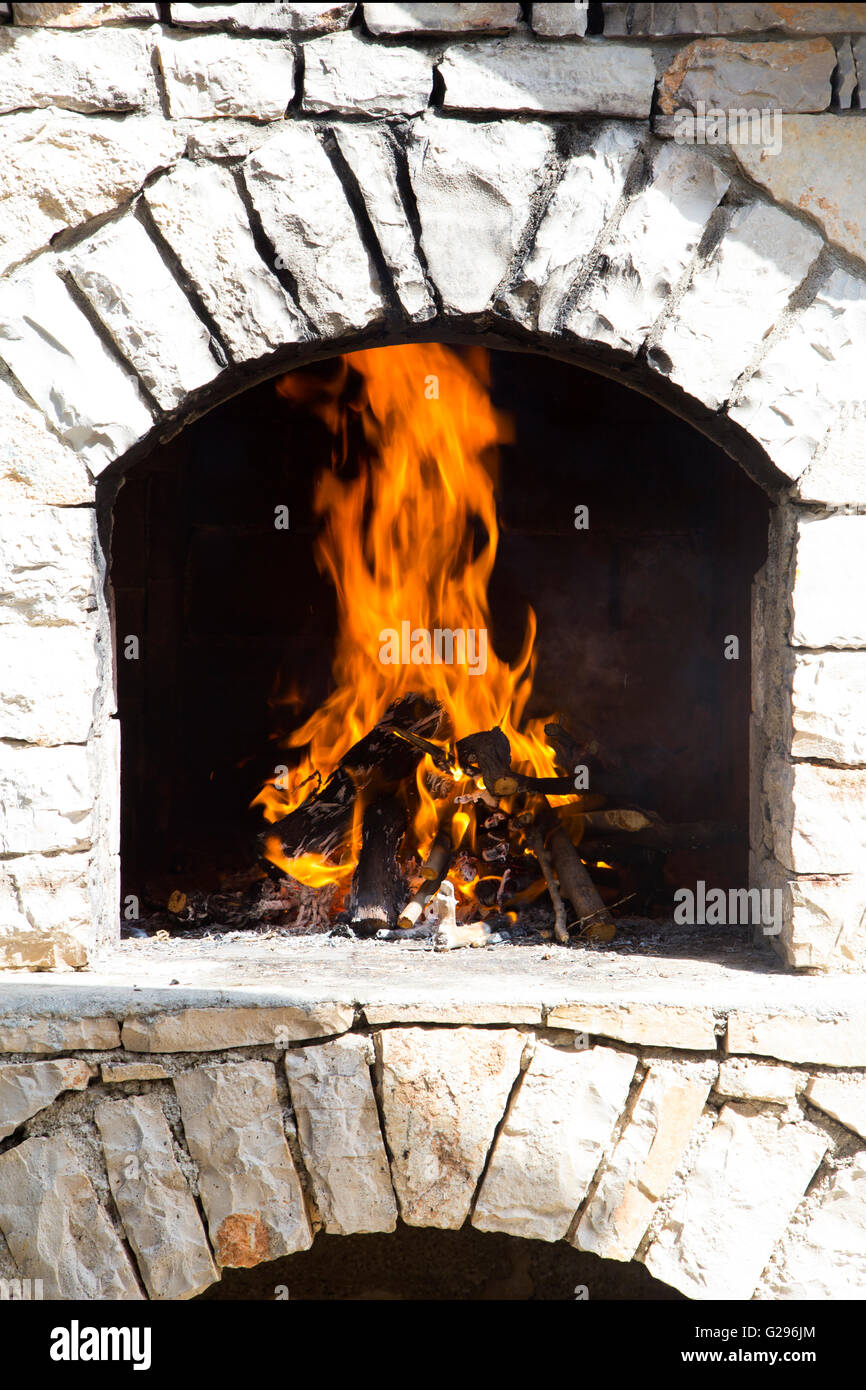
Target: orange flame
x,y
410,537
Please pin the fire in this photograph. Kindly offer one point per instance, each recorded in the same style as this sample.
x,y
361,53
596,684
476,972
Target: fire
x,y
409,537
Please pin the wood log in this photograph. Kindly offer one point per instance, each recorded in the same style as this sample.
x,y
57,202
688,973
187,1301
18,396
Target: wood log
x,y
592,916
432,872
488,755
378,886
534,836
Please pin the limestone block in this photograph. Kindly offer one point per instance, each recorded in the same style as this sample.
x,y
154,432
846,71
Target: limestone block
x,y
338,1130
795,408
440,18
63,366
742,1079
308,220
443,1093
47,570
844,1100
560,21
144,309
647,1155
820,171
203,1030
116,1072
202,217
636,1021
749,1176
747,76
66,16
106,70
216,75
480,176
659,21
27,1087
829,581
156,1207
275,18
524,74
819,816
369,154
344,72
828,707
828,1261
656,238
57,171
833,1040
44,948
48,678
845,79
73,1247
552,1141
47,799
248,1183
585,197
49,1034
735,299
36,466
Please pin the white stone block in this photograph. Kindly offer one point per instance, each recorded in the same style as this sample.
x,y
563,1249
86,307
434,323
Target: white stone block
x,y
48,680
28,1087
278,17
829,582
844,1100
440,18
105,70
528,75
216,75
828,1261
66,16
749,1177
554,1135
47,569
144,309
202,217
742,1079
308,220
203,1029
647,254
46,896
560,21
344,72
828,707
819,816
830,1039
36,466
482,177
46,799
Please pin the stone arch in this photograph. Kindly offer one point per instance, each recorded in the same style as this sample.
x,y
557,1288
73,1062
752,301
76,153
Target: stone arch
x,y
600,244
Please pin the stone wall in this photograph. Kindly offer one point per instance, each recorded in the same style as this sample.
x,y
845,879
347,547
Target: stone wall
x,y
161,1148
197,196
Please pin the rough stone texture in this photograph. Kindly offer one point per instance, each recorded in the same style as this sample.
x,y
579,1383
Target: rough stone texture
x,y
804,402
478,176
828,707
112,1072
46,565
821,170
827,915
216,75
647,1155
203,1030
47,799
338,1130
749,1176
647,254
440,18
156,1207
35,466
819,821
144,309
636,1021
845,79
308,221
56,171
248,1183
108,70
60,361
859,51
829,582
368,152
828,1260
735,299
276,18
48,679
202,217
27,1087
838,1041
45,909
553,1138
63,16
585,197
739,76
72,1246
522,74
844,1100
560,21
344,72
49,1034
477,1012
741,1079
659,21
443,1094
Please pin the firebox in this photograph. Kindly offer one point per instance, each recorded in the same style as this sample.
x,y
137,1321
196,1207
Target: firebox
x,y
435,639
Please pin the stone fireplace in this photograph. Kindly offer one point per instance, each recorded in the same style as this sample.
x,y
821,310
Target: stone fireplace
x,y
203,198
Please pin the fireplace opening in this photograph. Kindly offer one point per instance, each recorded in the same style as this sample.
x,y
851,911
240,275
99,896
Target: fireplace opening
x,y
402,549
